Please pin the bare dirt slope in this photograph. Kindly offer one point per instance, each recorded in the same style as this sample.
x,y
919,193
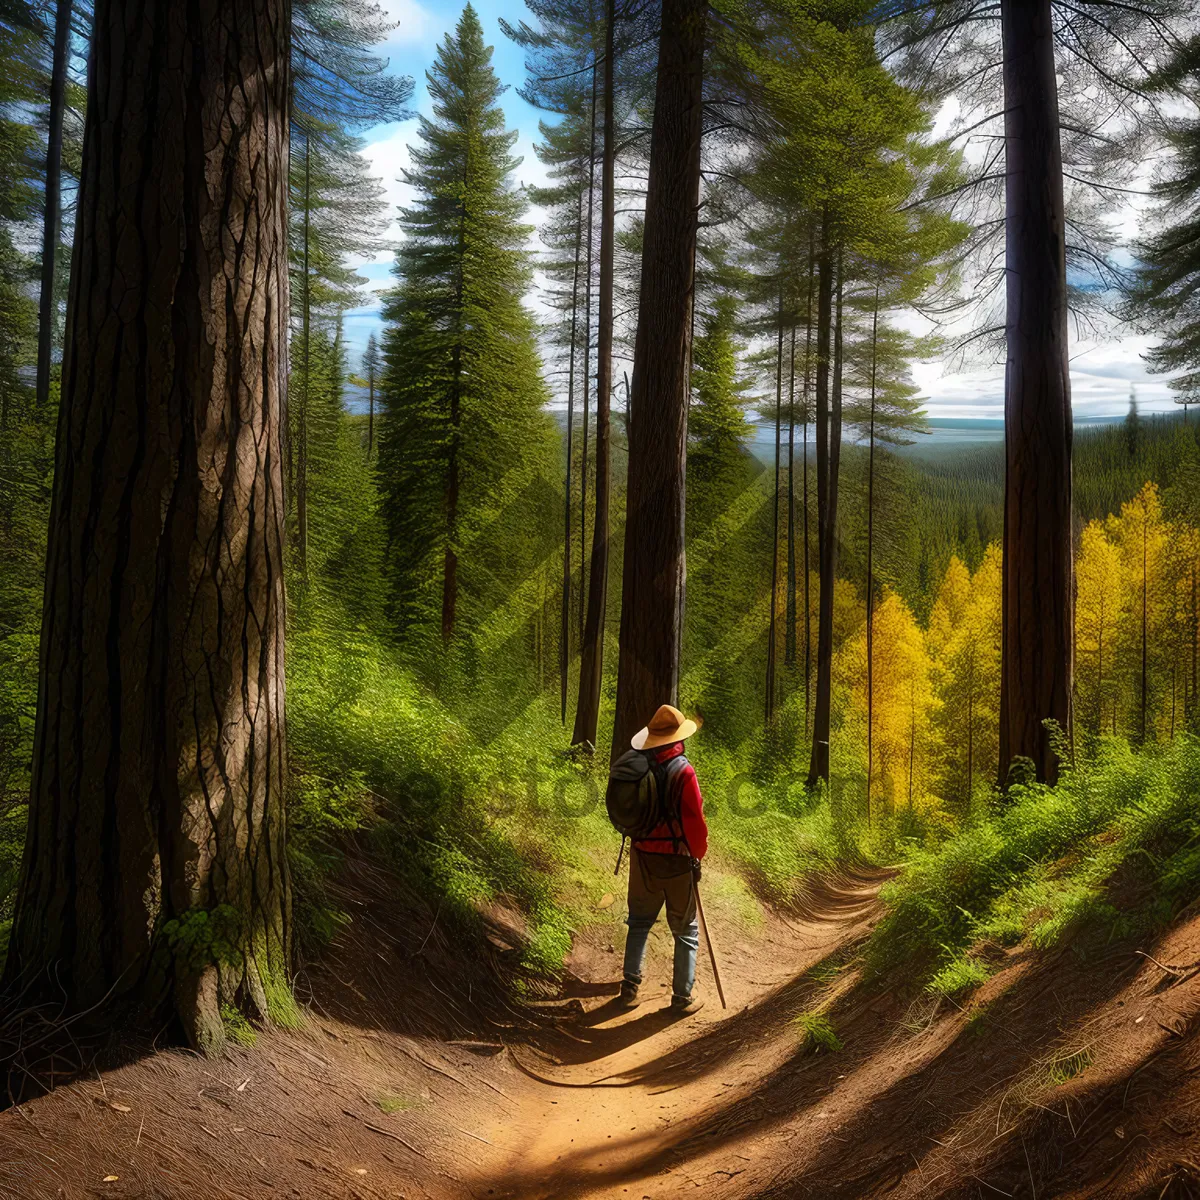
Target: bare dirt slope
x,y
414,1077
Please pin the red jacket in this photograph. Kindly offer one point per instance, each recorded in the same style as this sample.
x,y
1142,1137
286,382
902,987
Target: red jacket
x,y
691,813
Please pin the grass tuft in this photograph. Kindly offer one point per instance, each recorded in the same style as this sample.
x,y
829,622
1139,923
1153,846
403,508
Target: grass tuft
x,y
237,1028
959,977
817,1032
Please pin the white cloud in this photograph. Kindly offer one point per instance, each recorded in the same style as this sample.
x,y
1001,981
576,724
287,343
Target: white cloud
x,y
414,25
1102,374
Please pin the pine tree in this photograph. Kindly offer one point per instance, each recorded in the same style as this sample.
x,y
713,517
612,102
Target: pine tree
x,y
1168,262
463,424
52,201
25,433
1060,77
725,566
336,210
371,364
339,85
653,569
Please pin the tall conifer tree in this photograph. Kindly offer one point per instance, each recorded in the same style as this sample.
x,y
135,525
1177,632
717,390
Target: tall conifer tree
x,y
462,395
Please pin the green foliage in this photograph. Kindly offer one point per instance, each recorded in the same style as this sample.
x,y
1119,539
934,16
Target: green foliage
x,y
959,977
1042,866
817,1032
465,445
1168,261
237,1028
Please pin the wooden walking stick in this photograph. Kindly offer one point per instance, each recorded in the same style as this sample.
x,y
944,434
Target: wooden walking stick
x,y
712,956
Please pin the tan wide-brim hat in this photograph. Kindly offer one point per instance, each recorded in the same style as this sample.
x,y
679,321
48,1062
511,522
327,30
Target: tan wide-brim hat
x,y
666,726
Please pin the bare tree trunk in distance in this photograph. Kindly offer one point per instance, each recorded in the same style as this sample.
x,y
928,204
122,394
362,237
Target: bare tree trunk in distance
x,y
1037,665
789,651
769,698
159,764
591,664
305,326
587,358
564,657
818,768
654,568
871,559
52,209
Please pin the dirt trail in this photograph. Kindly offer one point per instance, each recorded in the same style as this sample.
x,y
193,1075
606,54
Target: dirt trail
x,y
1070,1073
639,1104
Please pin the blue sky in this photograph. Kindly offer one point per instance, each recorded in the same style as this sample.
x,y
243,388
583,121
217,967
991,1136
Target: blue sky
x,y
1102,372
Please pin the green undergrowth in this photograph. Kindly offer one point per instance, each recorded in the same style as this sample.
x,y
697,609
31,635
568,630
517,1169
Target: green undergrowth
x,y
237,1028
471,811
1112,851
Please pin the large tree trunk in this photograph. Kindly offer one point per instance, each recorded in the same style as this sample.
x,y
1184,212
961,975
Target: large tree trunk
x,y
591,664
157,809
654,570
818,767
1036,653
52,208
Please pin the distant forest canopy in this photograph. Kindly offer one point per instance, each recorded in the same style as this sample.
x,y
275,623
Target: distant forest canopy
x,y
483,600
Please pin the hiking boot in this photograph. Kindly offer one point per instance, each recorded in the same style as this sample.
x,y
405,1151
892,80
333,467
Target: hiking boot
x,y
684,1006
629,995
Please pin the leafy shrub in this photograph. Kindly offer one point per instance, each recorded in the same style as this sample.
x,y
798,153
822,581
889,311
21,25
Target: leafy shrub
x,y
1040,867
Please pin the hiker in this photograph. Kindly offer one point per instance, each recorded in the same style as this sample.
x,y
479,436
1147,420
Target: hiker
x,y
664,863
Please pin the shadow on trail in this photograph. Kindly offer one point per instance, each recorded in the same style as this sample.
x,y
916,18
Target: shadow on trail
x,y
892,1095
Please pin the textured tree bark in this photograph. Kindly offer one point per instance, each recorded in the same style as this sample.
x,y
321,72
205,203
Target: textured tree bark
x,y
1037,660
52,208
154,872
654,568
818,765
591,663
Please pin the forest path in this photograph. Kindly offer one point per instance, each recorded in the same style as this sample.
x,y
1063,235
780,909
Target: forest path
x,y
640,1103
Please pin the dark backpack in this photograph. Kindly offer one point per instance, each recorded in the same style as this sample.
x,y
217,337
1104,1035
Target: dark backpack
x,y
639,795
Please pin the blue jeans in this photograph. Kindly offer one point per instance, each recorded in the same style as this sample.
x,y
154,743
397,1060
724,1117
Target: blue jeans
x,y
649,889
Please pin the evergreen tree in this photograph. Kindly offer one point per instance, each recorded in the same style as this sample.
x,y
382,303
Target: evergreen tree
x,y
335,210
1061,74
725,562
371,363
339,85
25,439
463,426
1164,287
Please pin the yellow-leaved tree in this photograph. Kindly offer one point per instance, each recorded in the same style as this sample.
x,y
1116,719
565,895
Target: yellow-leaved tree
x,y
964,639
1140,535
889,718
1101,599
